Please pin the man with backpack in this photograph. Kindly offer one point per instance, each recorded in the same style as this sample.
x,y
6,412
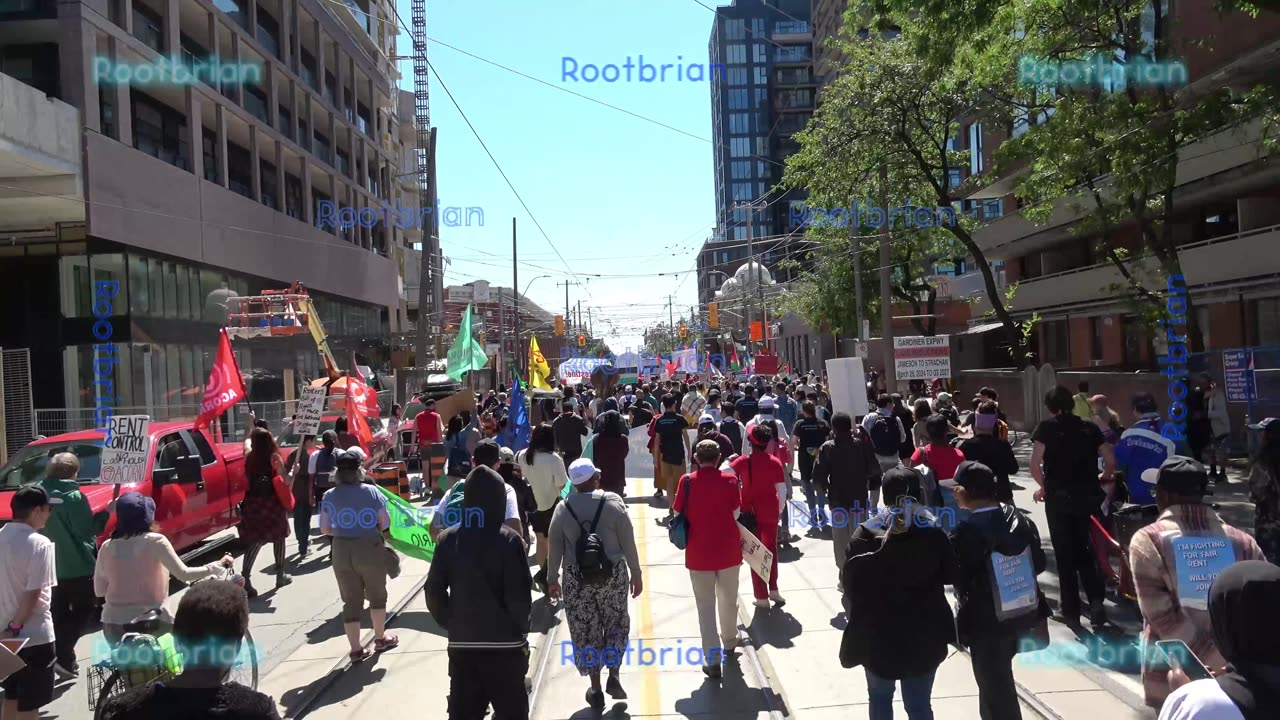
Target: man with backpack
x,y
748,406
321,464
450,512
998,555
886,431
479,589
731,428
845,469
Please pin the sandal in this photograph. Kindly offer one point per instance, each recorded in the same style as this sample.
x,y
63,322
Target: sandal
x,y
360,655
388,642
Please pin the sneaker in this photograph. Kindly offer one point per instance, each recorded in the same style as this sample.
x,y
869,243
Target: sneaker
x,y
777,598
1098,615
65,673
303,553
595,698
283,579
614,687
763,603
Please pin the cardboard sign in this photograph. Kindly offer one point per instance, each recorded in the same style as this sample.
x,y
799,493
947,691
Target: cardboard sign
x,y
456,404
10,663
1197,561
125,450
310,408
1015,582
848,386
755,554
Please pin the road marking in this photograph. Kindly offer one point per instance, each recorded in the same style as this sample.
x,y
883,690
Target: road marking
x,y
650,695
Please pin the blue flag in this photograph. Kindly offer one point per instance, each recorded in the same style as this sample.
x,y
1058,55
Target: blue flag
x,y
516,436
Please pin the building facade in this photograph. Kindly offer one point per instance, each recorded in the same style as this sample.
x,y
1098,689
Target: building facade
x,y
185,191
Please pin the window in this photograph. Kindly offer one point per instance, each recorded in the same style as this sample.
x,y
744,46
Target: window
x,y
286,122
235,10
207,456
268,32
344,163
737,76
761,75
741,169
362,119
168,449
954,178
735,30
740,123
255,101
802,98
309,70
107,111
992,208
762,147
1095,333
798,53
1021,123
759,54
331,87
757,27
735,54
158,130
239,170
762,97
293,196
267,175
739,147
147,26
322,148
737,99
741,191
975,148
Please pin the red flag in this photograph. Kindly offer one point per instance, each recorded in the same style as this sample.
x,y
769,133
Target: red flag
x,y
225,386
360,393
356,423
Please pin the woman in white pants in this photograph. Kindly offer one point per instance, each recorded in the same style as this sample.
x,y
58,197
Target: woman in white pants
x,y
710,499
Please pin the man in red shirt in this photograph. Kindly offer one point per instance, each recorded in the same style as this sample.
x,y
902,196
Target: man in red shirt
x,y
430,431
714,551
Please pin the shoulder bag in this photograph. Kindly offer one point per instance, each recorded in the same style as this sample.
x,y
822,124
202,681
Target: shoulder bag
x,y
748,519
678,528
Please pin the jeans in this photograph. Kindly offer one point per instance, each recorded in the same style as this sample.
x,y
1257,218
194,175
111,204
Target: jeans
x,y
71,605
302,525
992,655
816,499
917,693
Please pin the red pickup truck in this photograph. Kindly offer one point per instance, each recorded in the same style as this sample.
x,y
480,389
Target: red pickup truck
x,y
197,484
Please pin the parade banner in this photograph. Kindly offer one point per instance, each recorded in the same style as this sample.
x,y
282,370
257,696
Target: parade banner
x,y
310,408
755,554
225,386
410,534
125,450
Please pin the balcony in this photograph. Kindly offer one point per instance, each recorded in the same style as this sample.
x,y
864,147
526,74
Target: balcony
x,y
792,30
40,158
795,55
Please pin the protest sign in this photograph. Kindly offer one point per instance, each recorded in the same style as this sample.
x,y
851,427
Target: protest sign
x,y
310,407
1198,560
409,527
456,404
921,357
125,450
756,555
1014,577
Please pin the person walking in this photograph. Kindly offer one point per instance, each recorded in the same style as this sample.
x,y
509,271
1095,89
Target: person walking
x,y
303,488
28,574
1064,464
545,471
134,566
731,428
763,492
595,596
1081,407
1173,609
787,411
671,447
1264,488
264,515
1142,447
886,432
907,419
714,551
208,630
921,411
748,406
74,529
808,435
1107,420
393,430
942,459
568,430
609,452
429,430
354,514
1220,430
846,470
1248,688
987,625
707,431
899,619
996,454
320,466
479,590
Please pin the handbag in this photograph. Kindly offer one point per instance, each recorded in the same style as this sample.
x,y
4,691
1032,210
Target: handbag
x,y
678,528
748,519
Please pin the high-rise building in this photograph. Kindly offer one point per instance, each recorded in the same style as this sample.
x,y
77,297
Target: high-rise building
x,y
828,17
195,185
764,96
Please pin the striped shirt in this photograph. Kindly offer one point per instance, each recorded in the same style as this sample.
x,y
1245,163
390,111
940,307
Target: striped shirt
x,y
1163,615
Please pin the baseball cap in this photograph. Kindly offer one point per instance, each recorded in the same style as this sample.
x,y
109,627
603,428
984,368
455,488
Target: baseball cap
x,y
349,459
706,420
30,498
330,436
506,454
133,509
1179,474
900,482
973,475
766,403
581,471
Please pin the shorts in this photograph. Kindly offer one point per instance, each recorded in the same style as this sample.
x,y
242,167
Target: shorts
x,y
540,520
32,686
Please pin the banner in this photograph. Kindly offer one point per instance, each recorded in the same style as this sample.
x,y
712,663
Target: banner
x,y
125,450
466,353
225,386
310,408
368,400
539,370
518,428
686,361
766,364
410,534
920,357
356,423
755,554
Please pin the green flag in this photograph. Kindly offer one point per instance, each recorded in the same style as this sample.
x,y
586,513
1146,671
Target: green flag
x,y
409,527
466,354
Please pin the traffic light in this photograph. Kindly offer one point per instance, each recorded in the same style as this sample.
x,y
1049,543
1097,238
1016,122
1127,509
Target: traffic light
x,y
582,341
713,315
684,331
560,325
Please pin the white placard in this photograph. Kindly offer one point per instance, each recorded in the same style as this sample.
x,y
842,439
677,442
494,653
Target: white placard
x,y
919,357
848,386
756,555
125,450
310,408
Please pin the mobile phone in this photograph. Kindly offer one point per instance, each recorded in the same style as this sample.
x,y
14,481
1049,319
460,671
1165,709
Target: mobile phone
x,y
1180,657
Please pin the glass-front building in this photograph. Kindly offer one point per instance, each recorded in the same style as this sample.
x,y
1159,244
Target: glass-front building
x,y
155,339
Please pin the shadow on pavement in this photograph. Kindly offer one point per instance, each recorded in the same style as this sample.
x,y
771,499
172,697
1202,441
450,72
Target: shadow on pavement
x,y
364,674
773,627
419,621
746,700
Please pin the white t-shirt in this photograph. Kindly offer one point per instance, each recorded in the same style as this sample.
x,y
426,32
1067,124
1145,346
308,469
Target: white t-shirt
x,y
1200,700
512,512
805,388
27,563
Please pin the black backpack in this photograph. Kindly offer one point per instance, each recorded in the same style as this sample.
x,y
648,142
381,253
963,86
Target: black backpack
x,y
884,436
593,564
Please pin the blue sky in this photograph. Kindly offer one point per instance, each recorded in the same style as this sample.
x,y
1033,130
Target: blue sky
x,y
617,195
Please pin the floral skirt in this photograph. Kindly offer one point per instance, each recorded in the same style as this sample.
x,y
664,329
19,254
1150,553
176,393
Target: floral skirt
x,y
598,619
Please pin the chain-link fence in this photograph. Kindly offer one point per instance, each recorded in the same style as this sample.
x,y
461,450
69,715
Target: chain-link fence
x,y
1266,380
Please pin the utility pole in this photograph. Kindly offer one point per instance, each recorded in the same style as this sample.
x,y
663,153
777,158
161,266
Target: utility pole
x,y
515,293
886,312
590,324
671,318
856,241
502,335
580,325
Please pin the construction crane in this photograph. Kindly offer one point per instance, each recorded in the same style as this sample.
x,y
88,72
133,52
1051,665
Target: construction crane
x,y
277,313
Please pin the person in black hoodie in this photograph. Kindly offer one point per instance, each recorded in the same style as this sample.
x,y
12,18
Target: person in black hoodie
x,y
479,589
994,527
845,471
900,622
986,448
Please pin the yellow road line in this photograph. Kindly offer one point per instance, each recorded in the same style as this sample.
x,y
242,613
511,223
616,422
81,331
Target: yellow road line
x,y
650,696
